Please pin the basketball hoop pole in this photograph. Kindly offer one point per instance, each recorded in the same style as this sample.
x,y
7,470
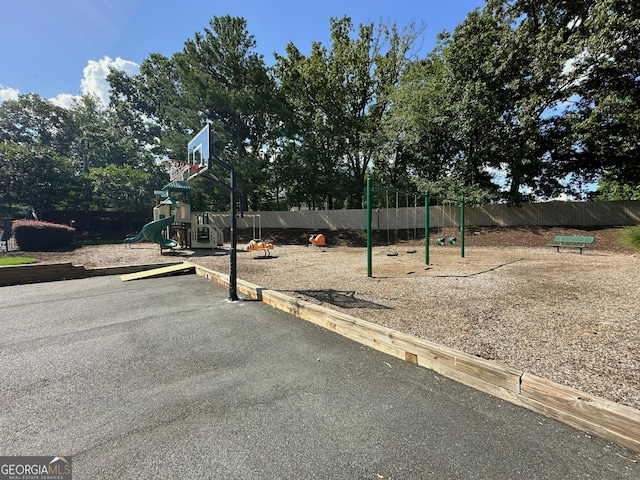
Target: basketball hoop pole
x,y
200,143
233,274
233,250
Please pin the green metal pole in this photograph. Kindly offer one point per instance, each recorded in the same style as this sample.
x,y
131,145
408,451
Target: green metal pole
x,y
369,216
462,227
426,227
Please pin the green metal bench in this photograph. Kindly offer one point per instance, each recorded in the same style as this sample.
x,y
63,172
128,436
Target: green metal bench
x,y
569,241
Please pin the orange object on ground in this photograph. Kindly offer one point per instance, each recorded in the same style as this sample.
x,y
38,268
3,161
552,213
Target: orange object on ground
x,y
255,245
317,240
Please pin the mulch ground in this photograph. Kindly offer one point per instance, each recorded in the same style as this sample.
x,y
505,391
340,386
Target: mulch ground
x,y
606,239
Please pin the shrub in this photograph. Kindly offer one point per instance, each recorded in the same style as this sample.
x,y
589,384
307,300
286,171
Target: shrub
x,y
35,236
631,237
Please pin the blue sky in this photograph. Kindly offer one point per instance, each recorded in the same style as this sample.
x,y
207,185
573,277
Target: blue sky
x,y
61,48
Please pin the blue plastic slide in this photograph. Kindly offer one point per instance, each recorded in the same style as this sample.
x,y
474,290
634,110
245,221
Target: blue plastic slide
x,y
152,231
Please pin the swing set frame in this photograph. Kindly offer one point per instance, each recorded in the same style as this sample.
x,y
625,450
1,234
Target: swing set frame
x,y
426,228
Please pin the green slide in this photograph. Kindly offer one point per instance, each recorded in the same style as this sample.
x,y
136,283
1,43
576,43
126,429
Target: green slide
x,y
152,231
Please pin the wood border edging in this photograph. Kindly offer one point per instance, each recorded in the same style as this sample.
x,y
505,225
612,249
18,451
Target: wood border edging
x,y
615,422
52,272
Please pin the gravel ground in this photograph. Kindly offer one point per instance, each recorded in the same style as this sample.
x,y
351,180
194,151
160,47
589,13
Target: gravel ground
x,y
571,318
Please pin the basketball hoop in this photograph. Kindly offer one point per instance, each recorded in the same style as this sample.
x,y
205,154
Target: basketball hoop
x,y
178,168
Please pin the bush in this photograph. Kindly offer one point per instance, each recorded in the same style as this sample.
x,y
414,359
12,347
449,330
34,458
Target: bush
x,y
35,236
631,237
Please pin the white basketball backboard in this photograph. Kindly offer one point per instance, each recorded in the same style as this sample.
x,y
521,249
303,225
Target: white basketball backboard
x,y
198,148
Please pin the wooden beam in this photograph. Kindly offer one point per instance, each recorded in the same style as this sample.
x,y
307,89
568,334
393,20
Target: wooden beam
x,y
184,267
616,422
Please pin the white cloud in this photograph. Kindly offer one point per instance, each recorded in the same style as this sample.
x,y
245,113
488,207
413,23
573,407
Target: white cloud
x,y
570,65
64,100
95,75
94,81
8,93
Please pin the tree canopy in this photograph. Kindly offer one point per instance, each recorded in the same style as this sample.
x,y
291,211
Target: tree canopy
x,y
524,100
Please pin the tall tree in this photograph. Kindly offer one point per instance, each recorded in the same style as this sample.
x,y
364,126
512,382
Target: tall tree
x,y
543,35
602,131
219,79
447,109
340,96
34,175
502,87
122,188
32,120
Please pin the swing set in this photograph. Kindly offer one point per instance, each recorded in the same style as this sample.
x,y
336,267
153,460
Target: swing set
x,y
441,240
392,249
393,252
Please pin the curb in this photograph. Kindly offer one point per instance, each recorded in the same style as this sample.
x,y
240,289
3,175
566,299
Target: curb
x,y
51,272
615,422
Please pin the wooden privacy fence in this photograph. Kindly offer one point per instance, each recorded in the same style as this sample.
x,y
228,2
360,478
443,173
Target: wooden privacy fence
x,y
574,214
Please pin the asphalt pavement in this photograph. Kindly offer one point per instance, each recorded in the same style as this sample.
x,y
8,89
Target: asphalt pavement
x,y
166,379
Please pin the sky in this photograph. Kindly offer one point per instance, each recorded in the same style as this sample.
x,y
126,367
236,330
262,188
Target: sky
x,y
63,48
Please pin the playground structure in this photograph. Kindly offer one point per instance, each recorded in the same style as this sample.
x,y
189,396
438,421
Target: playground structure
x,y
174,224
318,240
259,245
440,240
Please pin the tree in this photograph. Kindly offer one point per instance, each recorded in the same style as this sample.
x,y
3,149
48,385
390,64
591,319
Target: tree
x,y
219,79
497,93
611,189
34,175
122,188
31,120
602,131
339,97
108,136
545,36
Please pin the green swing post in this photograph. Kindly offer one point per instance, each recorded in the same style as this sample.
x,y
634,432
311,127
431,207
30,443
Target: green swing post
x,y
369,217
462,227
426,227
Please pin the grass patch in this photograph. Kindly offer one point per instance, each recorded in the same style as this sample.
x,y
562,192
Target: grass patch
x,y
7,261
631,237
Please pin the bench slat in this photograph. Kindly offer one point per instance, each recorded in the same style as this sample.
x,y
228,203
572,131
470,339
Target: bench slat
x,y
571,241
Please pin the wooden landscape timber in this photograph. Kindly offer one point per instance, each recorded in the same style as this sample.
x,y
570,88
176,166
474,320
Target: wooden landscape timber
x,y
35,272
180,268
615,422
53,272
